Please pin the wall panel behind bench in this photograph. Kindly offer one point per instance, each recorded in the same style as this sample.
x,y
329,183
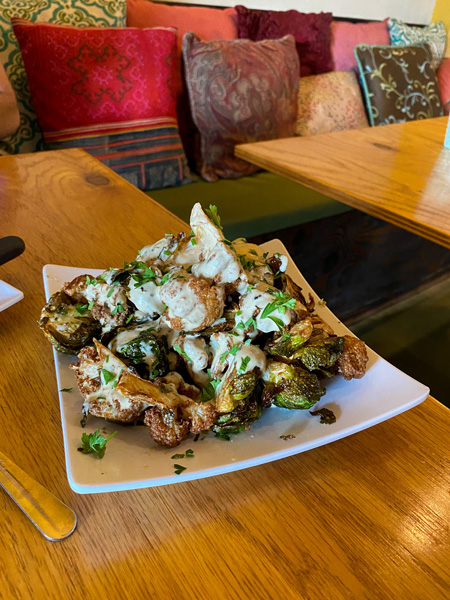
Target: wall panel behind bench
x,y
411,11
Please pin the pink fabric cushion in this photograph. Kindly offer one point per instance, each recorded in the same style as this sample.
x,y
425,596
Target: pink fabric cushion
x,y
330,102
240,91
345,36
312,34
207,23
443,75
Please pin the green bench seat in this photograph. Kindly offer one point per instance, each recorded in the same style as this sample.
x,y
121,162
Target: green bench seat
x,y
253,205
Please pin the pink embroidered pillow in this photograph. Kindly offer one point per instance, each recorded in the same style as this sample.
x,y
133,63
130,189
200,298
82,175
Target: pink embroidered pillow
x,y
330,102
443,75
239,91
110,91
312,33
345,36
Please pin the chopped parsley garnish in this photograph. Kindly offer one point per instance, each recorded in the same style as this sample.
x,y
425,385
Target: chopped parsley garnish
x,y
240,325
94,443
182,353
143,277
278,322
248,342
222,436
107,376
117,309
234,348
175,456
251,322
110,292
128,320
168,277
167,252
189,452
179,469
193,241
91,304
213,215
253,252
68,390
81,308
244,363
265,255
209,391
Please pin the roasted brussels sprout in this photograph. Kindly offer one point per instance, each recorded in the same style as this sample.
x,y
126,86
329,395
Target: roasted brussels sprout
x,y
143,350
289,386
287,345
320,355
242,416
235,388
68,325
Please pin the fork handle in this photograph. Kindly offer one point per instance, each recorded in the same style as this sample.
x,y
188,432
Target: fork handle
x,y
54,519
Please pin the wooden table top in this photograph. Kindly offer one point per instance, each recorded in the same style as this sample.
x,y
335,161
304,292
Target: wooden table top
x,y
363,517
399,173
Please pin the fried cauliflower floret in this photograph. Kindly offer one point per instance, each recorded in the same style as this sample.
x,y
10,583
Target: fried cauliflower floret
x,y
99,376
192,304
109,302
353,360
166,428
217,262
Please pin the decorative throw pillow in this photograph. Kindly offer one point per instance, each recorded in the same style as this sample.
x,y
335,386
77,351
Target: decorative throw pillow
x,y
345,36
207,23
399,83
81,13
443,75
435,35
110,91
330,102
239,91
312,33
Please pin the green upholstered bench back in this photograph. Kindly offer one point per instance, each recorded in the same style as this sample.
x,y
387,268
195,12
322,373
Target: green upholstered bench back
x,y
253,205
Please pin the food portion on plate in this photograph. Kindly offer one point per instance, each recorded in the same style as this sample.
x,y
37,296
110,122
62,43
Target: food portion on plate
x,y
197,333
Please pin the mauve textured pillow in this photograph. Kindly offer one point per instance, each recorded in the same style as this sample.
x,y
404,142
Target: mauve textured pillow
x,y
330,102
399,83
345,36
239,91
312,34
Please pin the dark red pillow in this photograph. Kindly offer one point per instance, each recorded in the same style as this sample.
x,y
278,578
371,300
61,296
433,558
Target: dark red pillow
x,y
312,33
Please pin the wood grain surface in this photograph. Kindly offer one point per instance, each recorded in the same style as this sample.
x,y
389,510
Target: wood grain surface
x,y
399,173
364,517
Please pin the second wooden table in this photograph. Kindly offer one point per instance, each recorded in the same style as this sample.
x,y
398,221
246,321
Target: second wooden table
x,y
399,173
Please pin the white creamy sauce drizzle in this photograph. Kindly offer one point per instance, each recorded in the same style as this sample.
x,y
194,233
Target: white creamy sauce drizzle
x,y
220,265
99,294
153,251
196,349
147,298
257,360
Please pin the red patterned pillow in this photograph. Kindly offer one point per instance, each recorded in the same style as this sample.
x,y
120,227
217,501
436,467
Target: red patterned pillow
x,y
110,91
239,91
312,33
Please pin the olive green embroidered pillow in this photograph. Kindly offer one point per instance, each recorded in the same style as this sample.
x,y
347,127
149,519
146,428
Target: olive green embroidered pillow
x,y
81,13
399,83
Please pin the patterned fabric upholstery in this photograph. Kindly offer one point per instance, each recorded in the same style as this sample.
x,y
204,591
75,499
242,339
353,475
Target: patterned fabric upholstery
x,y
82,13
239,91
399,83
330,102
434,35
311,31
110,91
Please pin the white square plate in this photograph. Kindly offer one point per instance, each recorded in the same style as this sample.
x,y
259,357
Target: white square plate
x,y
9,295
133,460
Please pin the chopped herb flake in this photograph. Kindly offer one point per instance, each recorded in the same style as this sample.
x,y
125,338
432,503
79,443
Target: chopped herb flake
x,y
107,376
68,390
179,469
182,353
94,443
